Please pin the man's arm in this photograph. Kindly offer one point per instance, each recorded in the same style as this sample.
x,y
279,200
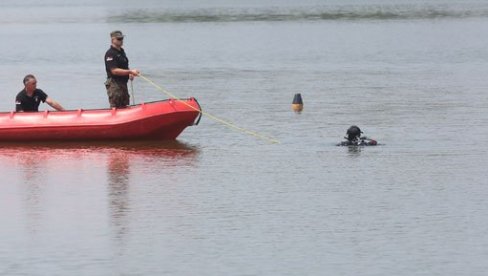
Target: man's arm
x,y
54,104
125,72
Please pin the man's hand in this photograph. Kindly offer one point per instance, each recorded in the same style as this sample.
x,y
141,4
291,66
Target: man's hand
x,y
54,104
133,73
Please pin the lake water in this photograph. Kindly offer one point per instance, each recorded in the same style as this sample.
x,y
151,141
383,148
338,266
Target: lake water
x,y
411,74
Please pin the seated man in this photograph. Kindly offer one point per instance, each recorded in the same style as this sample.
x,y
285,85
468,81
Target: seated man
x,y
353,136
30,97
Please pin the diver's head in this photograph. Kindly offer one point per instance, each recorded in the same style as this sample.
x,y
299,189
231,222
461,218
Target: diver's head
x,y
353,133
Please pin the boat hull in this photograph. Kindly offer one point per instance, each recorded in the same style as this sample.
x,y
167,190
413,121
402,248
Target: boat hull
x,y
162,120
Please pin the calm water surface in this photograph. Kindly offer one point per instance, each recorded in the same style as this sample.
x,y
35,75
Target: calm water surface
x,y
411,74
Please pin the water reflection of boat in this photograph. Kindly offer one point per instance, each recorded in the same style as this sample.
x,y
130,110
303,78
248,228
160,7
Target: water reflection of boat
x,y
155,120
94,182
170,150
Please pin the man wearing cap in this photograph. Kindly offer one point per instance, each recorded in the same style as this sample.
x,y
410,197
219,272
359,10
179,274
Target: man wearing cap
x,y
118,72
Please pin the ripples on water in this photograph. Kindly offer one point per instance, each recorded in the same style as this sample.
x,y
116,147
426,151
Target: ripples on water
x,y
367,12
219,11
411,74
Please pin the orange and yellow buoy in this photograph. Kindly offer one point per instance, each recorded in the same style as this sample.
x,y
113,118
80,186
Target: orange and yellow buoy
x,y
297,104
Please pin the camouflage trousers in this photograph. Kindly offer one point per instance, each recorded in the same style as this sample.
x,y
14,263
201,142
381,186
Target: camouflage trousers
x,y
118,94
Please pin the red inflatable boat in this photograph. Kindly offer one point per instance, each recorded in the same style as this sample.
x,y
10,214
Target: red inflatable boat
x,y
162,120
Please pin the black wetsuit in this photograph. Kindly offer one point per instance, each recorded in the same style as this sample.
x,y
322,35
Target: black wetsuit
x,y
360,142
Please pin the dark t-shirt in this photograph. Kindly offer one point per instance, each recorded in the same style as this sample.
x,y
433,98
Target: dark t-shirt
x,y
29,104
116,59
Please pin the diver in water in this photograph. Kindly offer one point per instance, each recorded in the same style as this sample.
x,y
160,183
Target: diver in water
x,y
353,136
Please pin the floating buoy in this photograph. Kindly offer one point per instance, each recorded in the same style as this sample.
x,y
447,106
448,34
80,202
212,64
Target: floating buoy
x,y
297,104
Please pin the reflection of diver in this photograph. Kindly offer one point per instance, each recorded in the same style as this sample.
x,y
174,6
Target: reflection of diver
x,y
353,136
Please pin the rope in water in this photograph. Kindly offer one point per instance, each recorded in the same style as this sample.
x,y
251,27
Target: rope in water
x,y
215,118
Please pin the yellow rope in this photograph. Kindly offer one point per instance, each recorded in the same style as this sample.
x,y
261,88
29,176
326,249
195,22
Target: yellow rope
x,y
224,122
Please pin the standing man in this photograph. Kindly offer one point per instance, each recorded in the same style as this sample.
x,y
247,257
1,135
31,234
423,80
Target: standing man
x,y
30,97
118,72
